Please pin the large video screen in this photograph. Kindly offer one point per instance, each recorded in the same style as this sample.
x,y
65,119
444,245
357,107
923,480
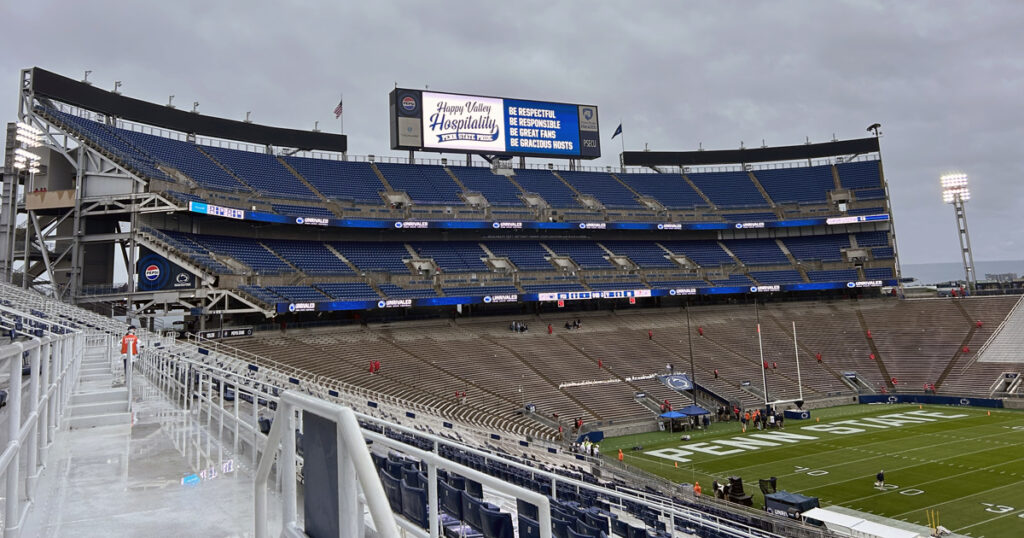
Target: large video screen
x,y
447,122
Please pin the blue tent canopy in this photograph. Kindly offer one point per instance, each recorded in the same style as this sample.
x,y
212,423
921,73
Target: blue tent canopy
x,y
693,410
673,414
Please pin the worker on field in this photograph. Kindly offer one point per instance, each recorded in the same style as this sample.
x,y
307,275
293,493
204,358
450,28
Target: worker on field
x,y
880,479
696,489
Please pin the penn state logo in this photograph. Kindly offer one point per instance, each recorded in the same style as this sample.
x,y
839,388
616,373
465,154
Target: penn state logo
x,y
671,292
661,226
299,220
291,307
851,285
805,415
381,303
487,298
753,289
495,225
738,226
398,225
893,399
409,103
965,401
152,272
582,225
181,278
588,114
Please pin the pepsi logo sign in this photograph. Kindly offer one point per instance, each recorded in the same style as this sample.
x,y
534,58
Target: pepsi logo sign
x,y
409,103
152,272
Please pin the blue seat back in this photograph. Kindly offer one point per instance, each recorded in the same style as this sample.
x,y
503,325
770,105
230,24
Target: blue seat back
x,y
496,524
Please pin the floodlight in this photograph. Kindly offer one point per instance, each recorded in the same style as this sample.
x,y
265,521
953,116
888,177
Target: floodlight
x,y
954,187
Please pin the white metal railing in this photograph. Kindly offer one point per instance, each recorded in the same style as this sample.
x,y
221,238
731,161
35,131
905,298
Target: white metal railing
x,y
54,361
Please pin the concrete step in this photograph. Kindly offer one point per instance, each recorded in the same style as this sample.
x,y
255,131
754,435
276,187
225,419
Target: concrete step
x,y
91,370
97,396
94,377
98,385
95,360
99,408
110,419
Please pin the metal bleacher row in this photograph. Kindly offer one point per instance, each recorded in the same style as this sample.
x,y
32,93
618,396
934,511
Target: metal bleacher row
x,y
350,270
319,187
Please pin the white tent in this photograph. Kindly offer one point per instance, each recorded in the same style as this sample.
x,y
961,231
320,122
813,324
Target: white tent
x,y
856,527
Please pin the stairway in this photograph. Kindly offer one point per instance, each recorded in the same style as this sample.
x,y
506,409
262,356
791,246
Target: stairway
x,y
94,401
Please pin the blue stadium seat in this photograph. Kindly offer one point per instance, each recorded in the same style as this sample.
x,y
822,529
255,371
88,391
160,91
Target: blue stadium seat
x,y
339,180
302,211
757,251
425,185
348,291
498,190
818,247
186,158
646,254
602,186
879,273
788,276
706,253
836,275
803,184
728,189
311,257
295,294
525,255
264,173
872,239
549,187
367,256
586,254
733,280
671,190
860,174
453,256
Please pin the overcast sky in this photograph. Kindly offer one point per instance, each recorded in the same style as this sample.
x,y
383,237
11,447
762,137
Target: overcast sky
x,y
945,80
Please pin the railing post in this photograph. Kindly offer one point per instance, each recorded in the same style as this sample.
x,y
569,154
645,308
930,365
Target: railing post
x,y
12,504
349,511
128,367
286,463
32,446
44,382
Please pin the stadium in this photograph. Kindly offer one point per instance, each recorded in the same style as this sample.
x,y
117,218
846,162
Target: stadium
x,y
511,344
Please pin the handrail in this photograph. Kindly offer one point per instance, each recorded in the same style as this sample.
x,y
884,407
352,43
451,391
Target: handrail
x,y
355,454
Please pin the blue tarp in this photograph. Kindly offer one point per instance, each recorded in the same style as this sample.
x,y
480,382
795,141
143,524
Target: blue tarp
x,y
673,414
693,410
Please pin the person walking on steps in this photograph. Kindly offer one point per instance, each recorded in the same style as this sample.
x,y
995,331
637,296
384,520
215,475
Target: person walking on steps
x,y
129,346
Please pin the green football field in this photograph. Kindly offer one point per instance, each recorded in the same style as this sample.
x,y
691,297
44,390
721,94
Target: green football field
x,y
962,462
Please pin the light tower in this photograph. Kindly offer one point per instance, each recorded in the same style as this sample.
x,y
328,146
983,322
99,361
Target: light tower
x,y
955,192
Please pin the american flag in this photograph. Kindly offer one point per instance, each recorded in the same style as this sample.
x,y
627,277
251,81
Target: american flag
x,y
337,111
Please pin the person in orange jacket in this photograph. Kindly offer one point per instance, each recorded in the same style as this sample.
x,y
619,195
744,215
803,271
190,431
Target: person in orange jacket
x,y
129,344
696,489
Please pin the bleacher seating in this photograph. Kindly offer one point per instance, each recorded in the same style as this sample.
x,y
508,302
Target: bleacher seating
x,y
247,251
498,190
544,183
825,248
604,187
393,291
348,291
298,293
706,253
883,253
879,273
262,294
872,239
671,190
834,275
339,180
311,257
186,158
803,185
761,216
458,291
788,276
525,255
368,256
757,251
728,189
870,194
453,256
646,254
586,254
732,280
860,175
425,185
262,172
302,211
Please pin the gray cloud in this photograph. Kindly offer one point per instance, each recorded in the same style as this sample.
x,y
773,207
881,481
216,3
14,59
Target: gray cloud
x,y
943,79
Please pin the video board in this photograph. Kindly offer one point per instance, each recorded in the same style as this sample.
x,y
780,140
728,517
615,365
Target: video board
x,y
457,123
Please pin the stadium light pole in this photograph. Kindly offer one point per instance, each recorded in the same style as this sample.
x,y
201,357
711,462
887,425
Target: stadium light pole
x,y
955,192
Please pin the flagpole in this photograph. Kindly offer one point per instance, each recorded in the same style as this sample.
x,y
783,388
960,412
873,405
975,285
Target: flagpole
x,y
341,116
622,156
